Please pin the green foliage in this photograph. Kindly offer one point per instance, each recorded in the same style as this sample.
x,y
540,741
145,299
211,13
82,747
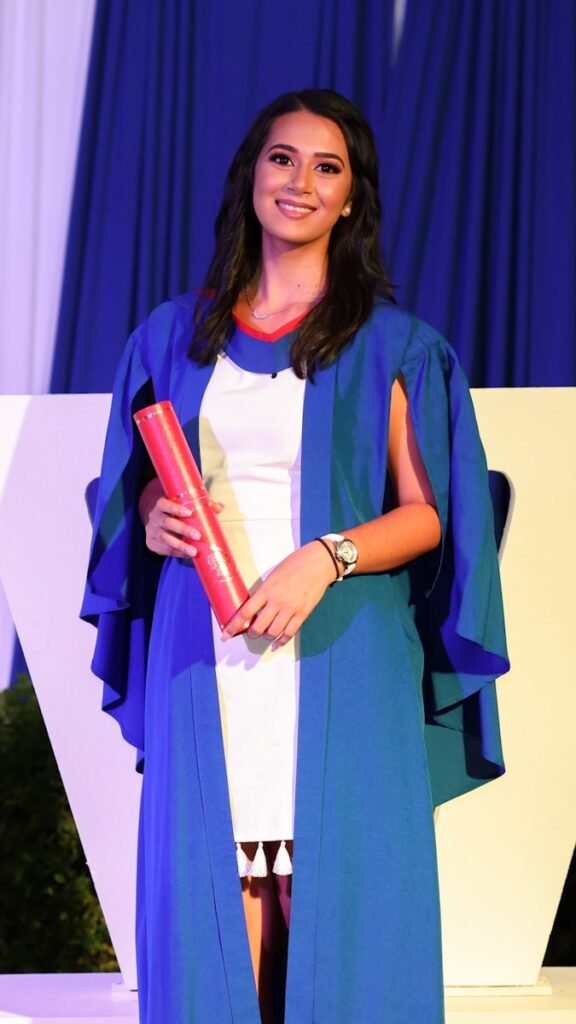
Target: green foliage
x,y
50,918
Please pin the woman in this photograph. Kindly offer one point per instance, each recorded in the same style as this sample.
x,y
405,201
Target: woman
x,y
354,689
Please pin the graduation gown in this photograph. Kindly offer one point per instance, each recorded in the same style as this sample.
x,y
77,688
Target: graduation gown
x,y
397,700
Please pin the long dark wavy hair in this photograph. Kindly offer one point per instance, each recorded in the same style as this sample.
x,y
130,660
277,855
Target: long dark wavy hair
x,y
356,274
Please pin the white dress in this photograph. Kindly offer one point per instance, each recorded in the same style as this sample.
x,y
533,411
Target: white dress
x,y
250,438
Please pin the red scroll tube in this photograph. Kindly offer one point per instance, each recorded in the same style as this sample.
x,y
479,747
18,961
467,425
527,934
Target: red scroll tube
x,y
181,481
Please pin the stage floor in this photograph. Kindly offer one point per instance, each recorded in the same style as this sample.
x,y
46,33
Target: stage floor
x,y
102,999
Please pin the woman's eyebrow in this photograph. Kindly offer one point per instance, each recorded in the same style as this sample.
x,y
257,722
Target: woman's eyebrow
x,y
292,149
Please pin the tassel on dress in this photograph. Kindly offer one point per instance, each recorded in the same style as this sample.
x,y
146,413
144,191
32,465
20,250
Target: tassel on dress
x,y
259,867
244,864
282,862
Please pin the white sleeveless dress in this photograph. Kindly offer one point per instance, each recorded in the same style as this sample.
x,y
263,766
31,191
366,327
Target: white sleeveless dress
x,y
250,438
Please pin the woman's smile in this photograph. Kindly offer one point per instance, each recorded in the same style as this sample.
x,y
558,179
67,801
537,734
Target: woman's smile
x,y
292,209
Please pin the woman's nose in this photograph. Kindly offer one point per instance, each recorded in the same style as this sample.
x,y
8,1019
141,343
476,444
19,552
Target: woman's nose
x,y
302,178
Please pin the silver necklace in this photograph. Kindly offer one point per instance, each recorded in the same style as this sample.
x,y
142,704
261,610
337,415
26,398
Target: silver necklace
x,y
277,312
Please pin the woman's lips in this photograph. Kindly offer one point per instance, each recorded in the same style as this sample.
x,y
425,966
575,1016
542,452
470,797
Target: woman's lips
x,y
294,210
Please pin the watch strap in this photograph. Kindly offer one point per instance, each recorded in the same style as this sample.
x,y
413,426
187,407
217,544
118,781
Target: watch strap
x,y
322,541
337,538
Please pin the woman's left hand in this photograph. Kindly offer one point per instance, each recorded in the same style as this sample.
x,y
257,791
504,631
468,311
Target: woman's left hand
x,y
286,597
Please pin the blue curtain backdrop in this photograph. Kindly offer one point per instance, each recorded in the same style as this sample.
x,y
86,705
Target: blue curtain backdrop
x,y
475,127
172,88
478,155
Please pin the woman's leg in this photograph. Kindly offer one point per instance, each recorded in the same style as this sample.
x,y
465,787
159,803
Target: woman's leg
x,y
267,911
261,913
283,885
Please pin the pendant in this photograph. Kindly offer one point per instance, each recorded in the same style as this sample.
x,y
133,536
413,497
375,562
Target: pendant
x,y
260,316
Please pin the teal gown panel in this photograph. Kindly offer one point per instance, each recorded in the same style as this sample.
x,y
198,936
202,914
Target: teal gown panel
x,y
397,700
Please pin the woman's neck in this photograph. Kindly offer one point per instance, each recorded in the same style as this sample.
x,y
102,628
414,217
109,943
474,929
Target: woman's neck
x,y
289,276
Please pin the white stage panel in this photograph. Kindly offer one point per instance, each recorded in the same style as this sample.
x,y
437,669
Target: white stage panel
x,y
51,449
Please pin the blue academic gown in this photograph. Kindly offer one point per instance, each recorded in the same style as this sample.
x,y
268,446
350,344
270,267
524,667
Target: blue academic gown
x,y
397,699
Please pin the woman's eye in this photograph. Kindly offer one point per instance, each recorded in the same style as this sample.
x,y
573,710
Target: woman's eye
x,y
284,160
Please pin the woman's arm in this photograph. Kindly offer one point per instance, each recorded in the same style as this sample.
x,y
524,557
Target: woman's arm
x,y
413,527
293,589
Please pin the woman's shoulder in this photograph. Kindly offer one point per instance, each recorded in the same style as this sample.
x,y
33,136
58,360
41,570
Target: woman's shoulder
x,y
174,312
167,329
406,336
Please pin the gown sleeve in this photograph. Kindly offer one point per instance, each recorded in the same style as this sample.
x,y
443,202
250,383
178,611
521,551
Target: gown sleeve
x,y
122,573
459,612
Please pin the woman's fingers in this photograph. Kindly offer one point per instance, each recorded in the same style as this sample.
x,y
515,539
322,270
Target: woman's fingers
x,y
175,546
286,597
168,530
172,507
288,633
278,626
243,618
177,526
273,625
268,621
261,617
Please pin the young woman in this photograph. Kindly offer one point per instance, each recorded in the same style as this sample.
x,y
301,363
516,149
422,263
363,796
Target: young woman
x,y
304,747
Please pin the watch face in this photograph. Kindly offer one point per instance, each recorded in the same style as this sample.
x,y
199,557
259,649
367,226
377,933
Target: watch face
x,y
346,552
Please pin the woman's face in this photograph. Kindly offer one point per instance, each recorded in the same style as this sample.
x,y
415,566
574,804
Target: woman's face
x,y
302,179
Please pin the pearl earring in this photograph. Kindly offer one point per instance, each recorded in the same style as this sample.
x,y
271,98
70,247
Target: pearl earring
x,y
346,211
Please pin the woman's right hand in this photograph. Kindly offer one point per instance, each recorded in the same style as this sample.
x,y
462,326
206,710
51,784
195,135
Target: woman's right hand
x,y
167,530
